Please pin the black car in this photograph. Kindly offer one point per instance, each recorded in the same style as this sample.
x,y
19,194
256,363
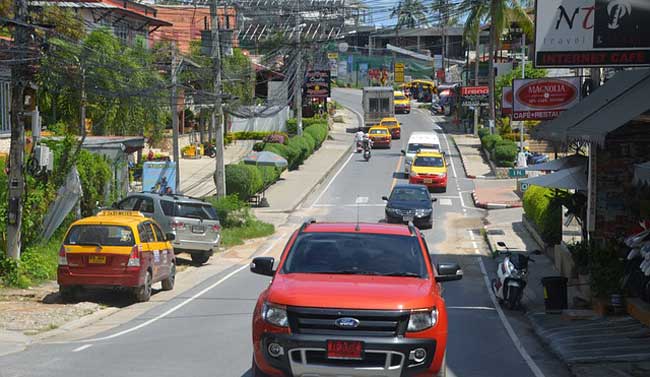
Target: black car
x,y
410,203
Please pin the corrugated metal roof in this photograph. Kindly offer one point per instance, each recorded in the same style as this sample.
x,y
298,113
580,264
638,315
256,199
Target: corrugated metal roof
x,y
618,101
69,4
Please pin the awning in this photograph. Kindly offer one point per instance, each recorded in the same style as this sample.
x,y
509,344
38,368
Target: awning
x,y
620,100
642,173
573,178
559,164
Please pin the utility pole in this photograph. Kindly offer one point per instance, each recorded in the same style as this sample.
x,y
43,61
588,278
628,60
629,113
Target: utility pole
x,y
491,75
297,85
174,108
19,81
477,109
217,125
82,110
523,76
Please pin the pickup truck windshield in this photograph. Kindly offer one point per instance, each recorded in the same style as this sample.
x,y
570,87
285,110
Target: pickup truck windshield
x,y
356,254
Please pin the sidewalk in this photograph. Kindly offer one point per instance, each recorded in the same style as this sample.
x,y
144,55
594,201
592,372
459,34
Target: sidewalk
x,y
294,186
469,148
196,175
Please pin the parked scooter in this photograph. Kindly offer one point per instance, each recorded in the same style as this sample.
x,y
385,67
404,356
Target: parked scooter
x,y
210,151
536,158
636,280
512,277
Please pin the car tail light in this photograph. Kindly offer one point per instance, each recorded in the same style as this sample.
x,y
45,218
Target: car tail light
x,y
216,228
134,257
176,225
63,258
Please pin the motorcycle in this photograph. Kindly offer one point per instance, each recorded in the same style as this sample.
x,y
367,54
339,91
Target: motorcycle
x,y
359,147
636,280
536,158
210,151
366,154
512,277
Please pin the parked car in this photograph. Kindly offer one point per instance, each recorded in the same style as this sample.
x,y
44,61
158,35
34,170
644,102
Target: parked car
x,y
410,203
116,249
352,300
193,222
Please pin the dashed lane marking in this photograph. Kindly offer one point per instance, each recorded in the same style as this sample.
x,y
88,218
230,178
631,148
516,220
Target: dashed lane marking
x,y
79,349
445,202
399,163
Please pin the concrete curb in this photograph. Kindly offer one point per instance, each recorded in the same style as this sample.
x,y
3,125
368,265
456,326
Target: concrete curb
x,y
488,205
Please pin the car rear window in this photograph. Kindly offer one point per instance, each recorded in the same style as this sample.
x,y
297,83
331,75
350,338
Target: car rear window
x,y
435,162
378,131
356,254
103,235
399,98
192,210
389,124
414,147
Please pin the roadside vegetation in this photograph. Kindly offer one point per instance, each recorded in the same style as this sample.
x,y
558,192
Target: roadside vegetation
x,y
237,222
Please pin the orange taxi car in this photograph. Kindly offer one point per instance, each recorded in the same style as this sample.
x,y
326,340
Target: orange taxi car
x,y
116,249
380,136
393,126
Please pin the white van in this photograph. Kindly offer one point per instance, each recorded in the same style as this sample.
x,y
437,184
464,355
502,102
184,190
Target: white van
x,y
425,141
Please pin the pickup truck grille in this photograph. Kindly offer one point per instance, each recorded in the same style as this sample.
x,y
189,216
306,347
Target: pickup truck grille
x,y
317,321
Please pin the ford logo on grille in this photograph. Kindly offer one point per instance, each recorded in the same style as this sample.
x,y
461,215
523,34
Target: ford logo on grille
x,y
347,323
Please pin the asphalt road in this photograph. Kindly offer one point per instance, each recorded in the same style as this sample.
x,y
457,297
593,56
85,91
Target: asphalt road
x,y
206,331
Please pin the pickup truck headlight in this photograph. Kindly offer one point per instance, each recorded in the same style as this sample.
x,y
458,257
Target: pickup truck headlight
x,y
422,319
275,315
422,212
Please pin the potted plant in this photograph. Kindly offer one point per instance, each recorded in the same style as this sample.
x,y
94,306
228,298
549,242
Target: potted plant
x,y
606,270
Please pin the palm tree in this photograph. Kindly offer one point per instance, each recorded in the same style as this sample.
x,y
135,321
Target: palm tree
x,y
500,13
409,13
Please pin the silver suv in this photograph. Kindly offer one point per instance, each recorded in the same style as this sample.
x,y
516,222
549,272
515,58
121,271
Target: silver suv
x,y
193,221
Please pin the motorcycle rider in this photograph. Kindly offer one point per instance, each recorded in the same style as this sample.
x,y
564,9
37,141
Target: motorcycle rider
x,y
366,141
358,138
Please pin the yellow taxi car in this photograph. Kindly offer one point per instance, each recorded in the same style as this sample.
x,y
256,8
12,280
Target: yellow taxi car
x,y
380,136
429,169
393,126
116,249
402,103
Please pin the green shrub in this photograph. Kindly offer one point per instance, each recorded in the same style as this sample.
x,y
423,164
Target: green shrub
x,y
231,210
269,175
319,132
94,173
308,122
242,180
489,141
542,210
606,270
37,263
482,132
299,142
505,154
254,135
292,126
259,146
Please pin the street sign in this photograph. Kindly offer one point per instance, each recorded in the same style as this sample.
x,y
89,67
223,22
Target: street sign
x,y
317,84
333,55
399,73
523,186
516,173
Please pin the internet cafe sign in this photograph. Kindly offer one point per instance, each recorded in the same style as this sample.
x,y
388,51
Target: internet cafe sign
x,y
592,33
474,95
541,99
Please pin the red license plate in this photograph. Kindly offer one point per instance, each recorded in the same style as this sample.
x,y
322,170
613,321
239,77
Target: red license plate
x,y
345,350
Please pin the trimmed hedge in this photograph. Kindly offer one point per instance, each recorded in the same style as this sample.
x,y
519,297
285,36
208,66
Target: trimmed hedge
x,y
482,132
319,132
544,213
244,181
502,152
256,135
489,141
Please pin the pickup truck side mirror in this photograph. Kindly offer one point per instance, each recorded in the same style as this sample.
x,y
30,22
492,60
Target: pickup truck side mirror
x,y
384,198
434,199
448,272
170,236
403,152
263,266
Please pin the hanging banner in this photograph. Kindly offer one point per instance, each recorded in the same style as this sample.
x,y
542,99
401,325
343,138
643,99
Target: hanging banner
x,y
506,101
317,84
333,65
159,176
592,33
545,98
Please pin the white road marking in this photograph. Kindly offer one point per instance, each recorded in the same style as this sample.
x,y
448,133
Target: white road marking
x,y
350,205
79,349
474,245
361,200
180,305
471,307
332,180
445,202
460,196
451,160
511,332
471,235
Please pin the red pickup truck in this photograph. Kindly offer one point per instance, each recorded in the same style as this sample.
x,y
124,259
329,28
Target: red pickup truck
x,y
352,300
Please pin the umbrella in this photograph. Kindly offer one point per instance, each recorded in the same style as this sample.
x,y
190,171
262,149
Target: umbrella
x,y
642,173
573,178
265,159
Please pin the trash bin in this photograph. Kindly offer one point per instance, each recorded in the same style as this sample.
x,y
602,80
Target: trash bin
x,y
555,293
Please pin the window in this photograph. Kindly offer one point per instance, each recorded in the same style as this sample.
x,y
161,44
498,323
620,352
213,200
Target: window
x,y
410,195
195,210
414,147
434,162
160,237
384,105
373,105
378,131
146,234
128,203
167,207
102,235
146,205
356,253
